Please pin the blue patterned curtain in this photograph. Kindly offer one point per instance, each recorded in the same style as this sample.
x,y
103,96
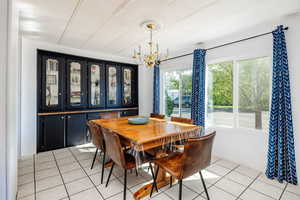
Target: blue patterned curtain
x,y
198,88
281,155
156,90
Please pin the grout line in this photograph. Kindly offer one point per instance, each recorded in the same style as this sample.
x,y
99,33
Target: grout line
x,y
248,186
283,191
86,173
214,184
61,176
34,181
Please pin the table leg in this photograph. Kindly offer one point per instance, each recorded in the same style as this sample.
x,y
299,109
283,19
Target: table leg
x,y
162,180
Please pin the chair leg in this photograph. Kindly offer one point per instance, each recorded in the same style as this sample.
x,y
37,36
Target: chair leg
x,y
103,163
171,181
94,158
153,177
154,181
125,184
203,183
111,169
180,189
136,172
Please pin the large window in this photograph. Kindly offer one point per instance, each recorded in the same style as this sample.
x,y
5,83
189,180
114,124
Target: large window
x,y
239,93
177,93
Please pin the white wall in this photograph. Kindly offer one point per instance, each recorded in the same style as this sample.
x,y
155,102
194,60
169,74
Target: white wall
x,y
9,98
145,90
249,147
29,86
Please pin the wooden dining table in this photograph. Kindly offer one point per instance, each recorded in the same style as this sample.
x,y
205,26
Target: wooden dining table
x,y
151,137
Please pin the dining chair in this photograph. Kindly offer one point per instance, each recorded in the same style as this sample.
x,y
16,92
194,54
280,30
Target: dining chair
x,y
98,141
158,116
179,144
109,115
195,157
182,120
120,157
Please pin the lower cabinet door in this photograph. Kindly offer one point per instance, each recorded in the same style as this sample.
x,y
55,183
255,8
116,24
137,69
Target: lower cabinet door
x,y
51,133
76,129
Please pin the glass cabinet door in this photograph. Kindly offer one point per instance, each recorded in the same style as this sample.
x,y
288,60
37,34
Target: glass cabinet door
x,y
127,86
76,83
51,83
113,85
96,85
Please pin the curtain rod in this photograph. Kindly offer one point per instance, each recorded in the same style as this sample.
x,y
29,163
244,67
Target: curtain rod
x,y
222,45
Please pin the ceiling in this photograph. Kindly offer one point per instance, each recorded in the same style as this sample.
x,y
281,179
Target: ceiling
x,y
113,26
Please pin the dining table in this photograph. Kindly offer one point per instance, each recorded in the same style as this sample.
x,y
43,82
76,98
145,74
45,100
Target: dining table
x,y
153,137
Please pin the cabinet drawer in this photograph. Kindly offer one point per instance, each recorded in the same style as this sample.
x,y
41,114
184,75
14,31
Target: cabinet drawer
x,y
129,113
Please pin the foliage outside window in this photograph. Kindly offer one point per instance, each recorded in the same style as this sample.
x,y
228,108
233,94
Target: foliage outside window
x,y
239,93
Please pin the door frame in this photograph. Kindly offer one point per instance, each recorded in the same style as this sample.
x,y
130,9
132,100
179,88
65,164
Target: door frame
x,y
3,119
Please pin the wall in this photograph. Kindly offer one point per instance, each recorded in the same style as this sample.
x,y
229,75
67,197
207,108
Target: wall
x,y
9,98
249,147
29,86
3,67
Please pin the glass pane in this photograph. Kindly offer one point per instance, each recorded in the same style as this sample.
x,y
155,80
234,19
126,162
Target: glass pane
x,y
95,85
186,93
127,86
112,83
220,94
254,93
171,83
52,77
75,83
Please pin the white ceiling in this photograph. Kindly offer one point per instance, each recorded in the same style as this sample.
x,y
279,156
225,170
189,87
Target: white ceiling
x,y
113,26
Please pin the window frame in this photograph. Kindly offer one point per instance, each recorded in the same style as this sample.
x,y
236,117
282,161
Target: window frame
x,y
235,60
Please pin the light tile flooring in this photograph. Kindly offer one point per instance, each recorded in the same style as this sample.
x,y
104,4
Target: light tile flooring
x,y
65,175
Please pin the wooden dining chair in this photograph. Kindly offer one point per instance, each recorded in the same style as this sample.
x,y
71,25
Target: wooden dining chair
x,y
158,116
98,141
182,120
109,115
196,156
120,157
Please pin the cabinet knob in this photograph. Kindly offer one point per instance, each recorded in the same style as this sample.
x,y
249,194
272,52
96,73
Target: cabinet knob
x,y
59,94
62,117
69,117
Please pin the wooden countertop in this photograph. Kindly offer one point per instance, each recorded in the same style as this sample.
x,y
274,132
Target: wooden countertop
x,y
85,111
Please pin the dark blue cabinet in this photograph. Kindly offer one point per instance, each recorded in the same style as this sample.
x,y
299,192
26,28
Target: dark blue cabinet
x,y
72,89
51,133
76,132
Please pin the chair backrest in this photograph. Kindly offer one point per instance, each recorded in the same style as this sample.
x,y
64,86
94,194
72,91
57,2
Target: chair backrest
x,y
197,154
97,136
109,115
158,116
113,147
182,120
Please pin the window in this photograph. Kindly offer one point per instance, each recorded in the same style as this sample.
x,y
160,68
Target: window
x,y
177,93
239,93
220,94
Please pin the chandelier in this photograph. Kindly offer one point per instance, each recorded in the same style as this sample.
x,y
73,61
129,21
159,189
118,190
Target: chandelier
x,y
153,56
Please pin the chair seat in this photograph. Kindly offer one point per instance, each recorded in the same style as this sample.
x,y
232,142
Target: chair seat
x,y
171,163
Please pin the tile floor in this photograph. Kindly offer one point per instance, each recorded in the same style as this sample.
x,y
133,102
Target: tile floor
x,y
65,175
